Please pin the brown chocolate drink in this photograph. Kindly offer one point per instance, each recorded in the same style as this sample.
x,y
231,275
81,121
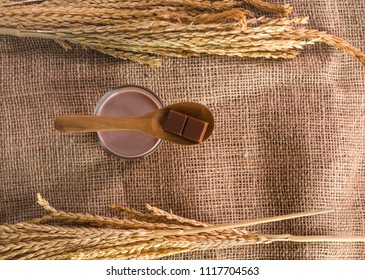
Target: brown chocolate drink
x,y
128,101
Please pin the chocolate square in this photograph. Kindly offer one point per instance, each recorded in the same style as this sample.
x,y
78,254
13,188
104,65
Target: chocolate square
x,y
195,129
175,122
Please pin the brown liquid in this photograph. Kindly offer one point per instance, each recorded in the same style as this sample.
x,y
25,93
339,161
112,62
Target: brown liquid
x,y
128,101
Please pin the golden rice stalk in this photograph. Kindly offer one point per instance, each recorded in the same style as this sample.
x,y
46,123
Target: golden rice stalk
x,y
151,235
146,30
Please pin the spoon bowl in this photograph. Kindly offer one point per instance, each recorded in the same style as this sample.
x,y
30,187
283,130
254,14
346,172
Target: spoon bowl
x,y
151,123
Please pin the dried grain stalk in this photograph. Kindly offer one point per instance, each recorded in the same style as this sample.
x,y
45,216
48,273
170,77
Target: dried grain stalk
x,y
151,235
146,30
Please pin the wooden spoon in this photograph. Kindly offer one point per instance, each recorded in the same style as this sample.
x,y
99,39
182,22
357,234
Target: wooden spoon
x,y
151,123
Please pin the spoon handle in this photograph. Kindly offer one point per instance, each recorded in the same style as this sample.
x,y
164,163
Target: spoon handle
x,y
89,123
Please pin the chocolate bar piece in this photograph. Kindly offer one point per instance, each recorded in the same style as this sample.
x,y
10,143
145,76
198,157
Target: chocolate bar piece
x,y
185,126
175,122
195,129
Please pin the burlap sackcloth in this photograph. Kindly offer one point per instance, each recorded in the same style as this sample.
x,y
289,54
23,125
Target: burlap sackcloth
x,y
289,137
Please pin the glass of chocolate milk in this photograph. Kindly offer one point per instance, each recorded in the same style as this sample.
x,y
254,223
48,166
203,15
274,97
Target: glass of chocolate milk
x,y
128,101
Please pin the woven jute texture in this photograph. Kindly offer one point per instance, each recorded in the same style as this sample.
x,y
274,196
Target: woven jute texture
x,y
289,137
